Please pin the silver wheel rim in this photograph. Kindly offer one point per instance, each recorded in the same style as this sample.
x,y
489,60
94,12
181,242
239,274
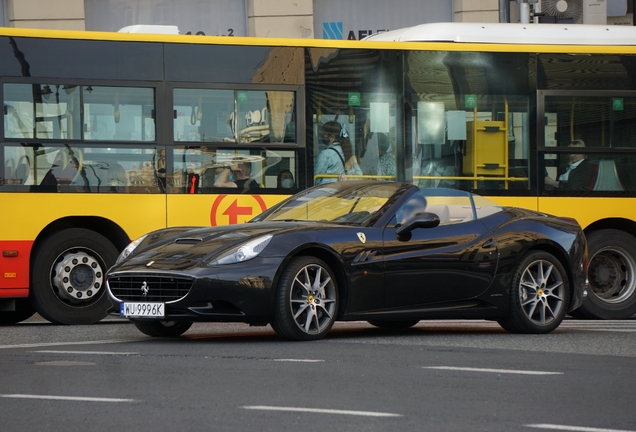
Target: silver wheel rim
x,y
611,274
313,299
78,276
541,292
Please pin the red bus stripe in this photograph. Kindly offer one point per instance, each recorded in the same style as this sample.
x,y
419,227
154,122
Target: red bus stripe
x,y
14,271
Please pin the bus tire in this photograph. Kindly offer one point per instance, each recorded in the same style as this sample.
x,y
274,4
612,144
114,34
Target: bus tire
x,y
68,276
23,310
612,276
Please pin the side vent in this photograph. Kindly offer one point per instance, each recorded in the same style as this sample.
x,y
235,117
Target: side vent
x,y
365,256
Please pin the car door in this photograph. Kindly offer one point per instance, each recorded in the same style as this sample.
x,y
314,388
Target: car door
x,y
454,261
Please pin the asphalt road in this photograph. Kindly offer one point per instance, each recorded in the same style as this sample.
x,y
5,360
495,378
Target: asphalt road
x,y
438,376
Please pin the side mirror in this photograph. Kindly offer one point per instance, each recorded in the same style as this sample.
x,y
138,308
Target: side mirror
x,y
418,220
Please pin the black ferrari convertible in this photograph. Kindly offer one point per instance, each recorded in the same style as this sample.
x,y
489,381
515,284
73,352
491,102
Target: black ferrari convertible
x,y
387,253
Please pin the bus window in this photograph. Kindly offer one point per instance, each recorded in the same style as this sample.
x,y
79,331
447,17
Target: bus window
x,y
367,135
234,115
588,170
468,120
203,115
72,168
119,113
54,107
607,121
198,170
477,143
265,116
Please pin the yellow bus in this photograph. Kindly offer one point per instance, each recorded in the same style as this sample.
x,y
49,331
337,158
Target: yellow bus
x,y
107,136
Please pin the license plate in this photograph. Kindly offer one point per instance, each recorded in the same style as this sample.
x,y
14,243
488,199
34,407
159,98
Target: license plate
x,y
143,309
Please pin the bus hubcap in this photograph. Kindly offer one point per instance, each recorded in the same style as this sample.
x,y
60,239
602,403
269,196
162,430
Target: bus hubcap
x,y
78,277
612,274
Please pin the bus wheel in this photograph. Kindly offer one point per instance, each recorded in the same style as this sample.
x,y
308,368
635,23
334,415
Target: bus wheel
x,y
23,310
68,276
612,276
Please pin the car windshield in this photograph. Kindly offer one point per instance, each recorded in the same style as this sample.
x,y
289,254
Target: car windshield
x,y
351,203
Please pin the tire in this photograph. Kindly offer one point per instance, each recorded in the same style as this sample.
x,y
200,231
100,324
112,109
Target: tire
x,y
612,276
68,276
162,328
306,301
23,310
396,325
539,295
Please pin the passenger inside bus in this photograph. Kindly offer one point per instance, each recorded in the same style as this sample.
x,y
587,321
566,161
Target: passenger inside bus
x,y
285,180
242,172
577,174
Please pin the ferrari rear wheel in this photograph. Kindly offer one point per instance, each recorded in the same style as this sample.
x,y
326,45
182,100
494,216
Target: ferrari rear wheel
x,y
539,295
307,299
162,328
394,324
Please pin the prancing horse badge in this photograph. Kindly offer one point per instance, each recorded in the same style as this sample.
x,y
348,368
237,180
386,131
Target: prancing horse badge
x,y
362,237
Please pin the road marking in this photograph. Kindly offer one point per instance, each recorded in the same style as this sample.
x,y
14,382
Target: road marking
x,y
617,330
52,344
574,428
66,398
297,360
87,352
508,371
64,363
321,411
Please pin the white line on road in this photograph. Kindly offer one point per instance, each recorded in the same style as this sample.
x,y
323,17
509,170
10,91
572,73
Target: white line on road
x,y
51,344
297,360
508,371
67,398
87,352
614,330
322,411
573,428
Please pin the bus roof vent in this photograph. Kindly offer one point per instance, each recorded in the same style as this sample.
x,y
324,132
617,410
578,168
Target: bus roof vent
x,y
151,29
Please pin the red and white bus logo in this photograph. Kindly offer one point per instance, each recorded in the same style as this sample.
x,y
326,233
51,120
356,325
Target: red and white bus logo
x,y
234,209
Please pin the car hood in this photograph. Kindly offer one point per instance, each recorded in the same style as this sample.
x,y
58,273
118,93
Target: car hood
x,y
183,248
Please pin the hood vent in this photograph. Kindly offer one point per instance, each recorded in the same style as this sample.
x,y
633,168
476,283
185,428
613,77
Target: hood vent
x,y
188,240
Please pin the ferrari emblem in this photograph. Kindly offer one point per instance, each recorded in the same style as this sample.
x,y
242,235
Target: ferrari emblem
x,y
362,237
145,288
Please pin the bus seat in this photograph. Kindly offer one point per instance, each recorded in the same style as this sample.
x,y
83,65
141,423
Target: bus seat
x,y
9,168
594,176
607,177
207,177
22,170
441,211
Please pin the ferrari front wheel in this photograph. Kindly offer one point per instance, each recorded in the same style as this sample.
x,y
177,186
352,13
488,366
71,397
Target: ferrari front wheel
x,y
539,295
306,301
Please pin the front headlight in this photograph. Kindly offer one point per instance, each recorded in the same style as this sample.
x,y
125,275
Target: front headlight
x,y
244,252
129,249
